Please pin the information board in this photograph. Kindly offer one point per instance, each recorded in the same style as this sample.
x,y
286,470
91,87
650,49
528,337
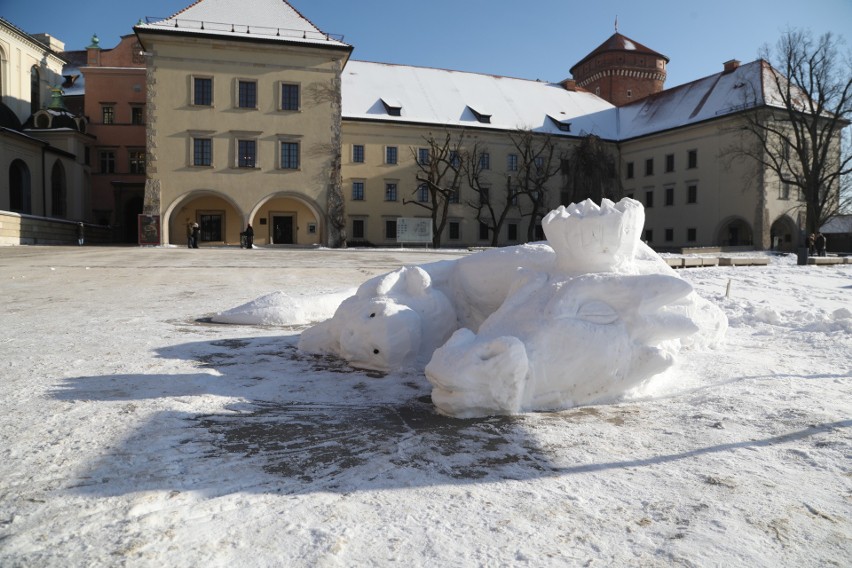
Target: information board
x,y
413,230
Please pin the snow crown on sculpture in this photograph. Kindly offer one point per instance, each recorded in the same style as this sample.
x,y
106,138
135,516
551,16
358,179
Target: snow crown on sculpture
x,y
588,238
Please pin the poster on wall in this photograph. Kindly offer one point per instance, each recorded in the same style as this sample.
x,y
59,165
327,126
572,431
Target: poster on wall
x,y
149,230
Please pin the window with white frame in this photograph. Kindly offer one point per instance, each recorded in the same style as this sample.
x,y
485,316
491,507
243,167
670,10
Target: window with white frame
x,y
358,153
247,94
289,159
512,162
391,154
390,191
290,96
246,153
423,193
202,91
358,190
202,152
485,161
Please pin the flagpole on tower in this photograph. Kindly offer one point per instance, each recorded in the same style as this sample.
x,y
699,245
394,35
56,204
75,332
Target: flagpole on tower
x,y
616,24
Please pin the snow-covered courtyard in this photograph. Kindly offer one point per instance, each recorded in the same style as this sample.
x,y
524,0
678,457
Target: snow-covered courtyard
x,y
137,432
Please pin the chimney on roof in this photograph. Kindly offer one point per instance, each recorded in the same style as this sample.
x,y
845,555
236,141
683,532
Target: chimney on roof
x,y
569,85
730,65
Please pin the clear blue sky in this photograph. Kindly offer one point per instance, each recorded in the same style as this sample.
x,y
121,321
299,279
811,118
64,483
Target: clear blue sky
x,y
532,39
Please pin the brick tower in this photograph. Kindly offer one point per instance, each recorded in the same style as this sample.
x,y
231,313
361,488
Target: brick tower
x,y
621,71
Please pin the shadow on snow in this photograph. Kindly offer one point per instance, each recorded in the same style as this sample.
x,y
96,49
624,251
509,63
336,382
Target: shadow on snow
x,y
296,423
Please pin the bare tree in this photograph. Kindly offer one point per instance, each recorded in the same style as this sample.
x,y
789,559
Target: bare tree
x,y
590,173
491,209
797,131
438,174
537,163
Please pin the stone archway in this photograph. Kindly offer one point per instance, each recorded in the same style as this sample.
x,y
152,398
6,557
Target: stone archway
x,y
288,218
735,232
219,217
784,234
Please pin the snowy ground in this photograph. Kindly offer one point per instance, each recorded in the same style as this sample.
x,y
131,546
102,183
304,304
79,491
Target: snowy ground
x,y
134,432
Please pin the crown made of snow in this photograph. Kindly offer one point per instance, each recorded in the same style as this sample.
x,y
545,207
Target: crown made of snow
x,y
589,238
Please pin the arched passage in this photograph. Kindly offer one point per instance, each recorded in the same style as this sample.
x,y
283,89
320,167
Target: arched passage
x,y
20,199
219,218
287,218
784,234
734,232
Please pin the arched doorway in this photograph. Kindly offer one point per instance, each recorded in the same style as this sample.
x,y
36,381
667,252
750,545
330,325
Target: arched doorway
x,y
784,234
219,219
58,191
735,232
20,199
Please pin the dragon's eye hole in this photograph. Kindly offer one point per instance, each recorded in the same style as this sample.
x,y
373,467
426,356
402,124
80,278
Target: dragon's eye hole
x,y
373,315
375,351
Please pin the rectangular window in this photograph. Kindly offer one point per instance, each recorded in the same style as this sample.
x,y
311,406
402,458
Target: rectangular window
x,y
455,160
649,167
484,195
107,162
539,164
202,152
202,91
391,155
629,170
483,232
357,191
692,159
246,153
358,229
455,230
247,94
137,115
485,161
669,196
137,161
289,96
512,162
455,195
358,153
649,199
691,235
289,155
108,114
390,229
390,192
512,231
785,191
692,194
669,235
669,163
423,193
423,156
649,236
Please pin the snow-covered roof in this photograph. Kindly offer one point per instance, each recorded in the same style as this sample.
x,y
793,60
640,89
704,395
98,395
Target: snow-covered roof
x,y
372,91
271,20
704,99
839,224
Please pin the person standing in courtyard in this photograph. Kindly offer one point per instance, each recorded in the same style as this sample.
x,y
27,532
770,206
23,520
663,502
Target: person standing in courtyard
x,y
820,244
81,234
196,233
249,236
188,233
811,244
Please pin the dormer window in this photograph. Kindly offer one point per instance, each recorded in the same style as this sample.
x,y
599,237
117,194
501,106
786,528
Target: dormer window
x,y
392,107
481,117
563,126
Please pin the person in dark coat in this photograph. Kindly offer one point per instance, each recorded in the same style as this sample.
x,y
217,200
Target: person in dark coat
x,y
820,244
249,236
196,233
188,234
811,244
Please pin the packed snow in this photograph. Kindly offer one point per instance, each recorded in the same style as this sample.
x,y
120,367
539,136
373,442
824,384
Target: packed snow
x,y
137,432
588,317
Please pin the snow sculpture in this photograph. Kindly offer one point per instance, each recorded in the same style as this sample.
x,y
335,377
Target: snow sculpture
x,y
581,319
